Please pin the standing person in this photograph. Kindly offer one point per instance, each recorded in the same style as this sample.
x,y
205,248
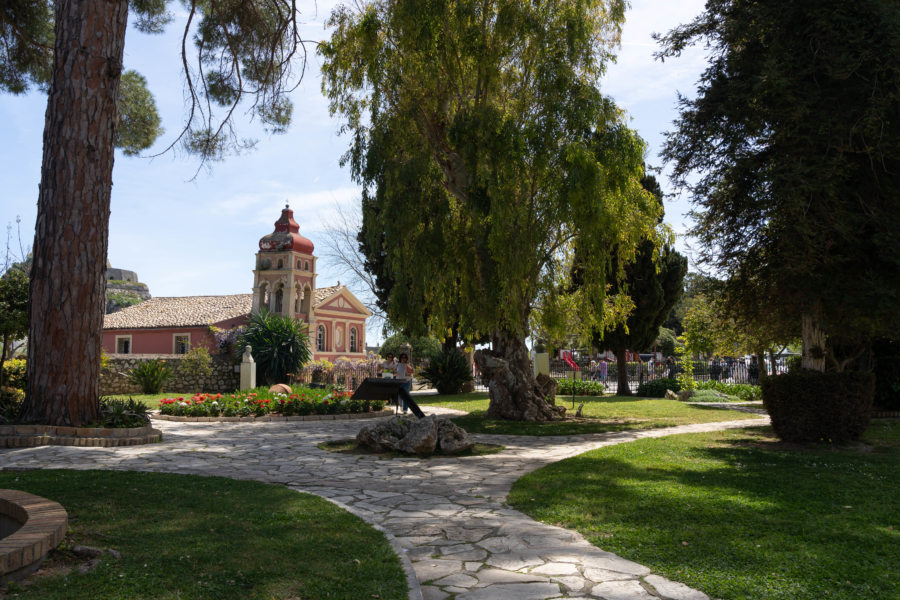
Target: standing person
x,y
387,367
604,369
404,373
670,368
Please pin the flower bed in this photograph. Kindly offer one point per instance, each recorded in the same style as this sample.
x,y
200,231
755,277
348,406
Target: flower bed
x,y
259,403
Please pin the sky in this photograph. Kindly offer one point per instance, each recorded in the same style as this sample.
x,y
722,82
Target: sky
x,y
187,235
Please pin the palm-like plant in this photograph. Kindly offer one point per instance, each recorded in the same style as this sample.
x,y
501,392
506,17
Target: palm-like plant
x,y
448,371
280,345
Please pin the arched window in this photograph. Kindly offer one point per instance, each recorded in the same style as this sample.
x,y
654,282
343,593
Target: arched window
x,y
306,266
320,339
299,264
353,342
298,297
279,299
280,264
306,304
263,295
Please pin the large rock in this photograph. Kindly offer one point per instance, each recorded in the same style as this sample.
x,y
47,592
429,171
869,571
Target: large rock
x,y
421,437
281,388
453,439
415,436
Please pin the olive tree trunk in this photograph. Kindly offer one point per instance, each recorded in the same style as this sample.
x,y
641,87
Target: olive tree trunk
x,y
515,394
71,233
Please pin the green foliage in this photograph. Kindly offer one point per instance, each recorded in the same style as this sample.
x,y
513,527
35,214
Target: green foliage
x,y
26,44
422,347
10,403
796,194
456,105
14,309
119,300
280,345
656,388
139,122
118,412
665,341
579,387
196,363
685,375
810,406
448,371
151,376
711,395
14,371
743,391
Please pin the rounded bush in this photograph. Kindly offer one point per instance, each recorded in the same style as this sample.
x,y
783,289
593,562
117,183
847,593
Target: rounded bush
x,y
809,406
656,388
448,371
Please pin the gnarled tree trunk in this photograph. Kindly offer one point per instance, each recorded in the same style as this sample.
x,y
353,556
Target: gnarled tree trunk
x,y
515,394
67,285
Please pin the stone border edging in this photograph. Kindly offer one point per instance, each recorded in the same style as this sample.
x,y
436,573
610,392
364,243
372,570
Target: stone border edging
x,y
340,417
44,524
29,436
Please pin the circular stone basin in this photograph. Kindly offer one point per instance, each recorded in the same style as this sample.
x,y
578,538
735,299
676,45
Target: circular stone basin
x,y
30,526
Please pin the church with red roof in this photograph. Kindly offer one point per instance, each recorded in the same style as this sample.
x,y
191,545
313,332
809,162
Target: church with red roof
x,y
284,281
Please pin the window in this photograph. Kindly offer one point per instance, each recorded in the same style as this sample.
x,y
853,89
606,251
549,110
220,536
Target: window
x,y
353,342
299,264
279,299
280,264
181,343
306,266
123,344
320,339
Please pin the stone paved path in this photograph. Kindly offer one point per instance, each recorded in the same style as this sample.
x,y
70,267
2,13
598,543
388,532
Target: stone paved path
x,y
445,515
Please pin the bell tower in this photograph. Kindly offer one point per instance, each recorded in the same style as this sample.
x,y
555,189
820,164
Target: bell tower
x,y
284,279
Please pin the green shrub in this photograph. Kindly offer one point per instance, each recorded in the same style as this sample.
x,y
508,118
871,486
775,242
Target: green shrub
x,y
710,395
197,363
279,344
14,373
151,376
809,406
10,403
579,387
743,391
117,412
657,387
421,346
448,371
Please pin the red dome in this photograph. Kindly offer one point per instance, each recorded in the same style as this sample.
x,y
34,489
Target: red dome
x,y
286,236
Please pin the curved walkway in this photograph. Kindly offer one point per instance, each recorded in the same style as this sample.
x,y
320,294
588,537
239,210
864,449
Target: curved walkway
x,y
447,515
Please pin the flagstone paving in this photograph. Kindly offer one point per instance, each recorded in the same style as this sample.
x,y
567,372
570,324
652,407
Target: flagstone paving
x,y
446,517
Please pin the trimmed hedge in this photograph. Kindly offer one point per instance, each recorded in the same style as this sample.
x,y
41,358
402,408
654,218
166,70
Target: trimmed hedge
x,y
657,387
809,406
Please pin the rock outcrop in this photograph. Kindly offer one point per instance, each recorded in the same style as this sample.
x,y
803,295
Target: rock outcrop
x,y
415,436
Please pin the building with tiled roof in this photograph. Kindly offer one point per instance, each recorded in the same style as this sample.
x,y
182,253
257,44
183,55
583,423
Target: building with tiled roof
x,y
284,281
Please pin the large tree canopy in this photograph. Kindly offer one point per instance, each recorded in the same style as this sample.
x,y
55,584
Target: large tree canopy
x,y
242,51
485,149
795,136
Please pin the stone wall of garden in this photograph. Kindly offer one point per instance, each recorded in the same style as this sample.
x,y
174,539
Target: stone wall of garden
x,y
114,378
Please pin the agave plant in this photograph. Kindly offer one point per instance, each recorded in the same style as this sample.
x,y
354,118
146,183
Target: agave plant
x,y
279,343
151,376
116,412
448,371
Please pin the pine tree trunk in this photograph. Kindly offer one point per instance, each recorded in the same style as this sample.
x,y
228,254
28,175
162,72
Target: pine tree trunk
x,y
622,388
67,280
515,395
813,338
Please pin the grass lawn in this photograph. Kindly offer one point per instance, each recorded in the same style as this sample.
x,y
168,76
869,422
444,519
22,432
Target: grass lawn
x,y
151,400
737,514
191,537
601,414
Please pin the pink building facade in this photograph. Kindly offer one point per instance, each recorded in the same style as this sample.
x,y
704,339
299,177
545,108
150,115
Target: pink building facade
x,y
284,282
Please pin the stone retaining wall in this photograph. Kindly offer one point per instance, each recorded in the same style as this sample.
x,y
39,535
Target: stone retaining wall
x,y
114,378
29,436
